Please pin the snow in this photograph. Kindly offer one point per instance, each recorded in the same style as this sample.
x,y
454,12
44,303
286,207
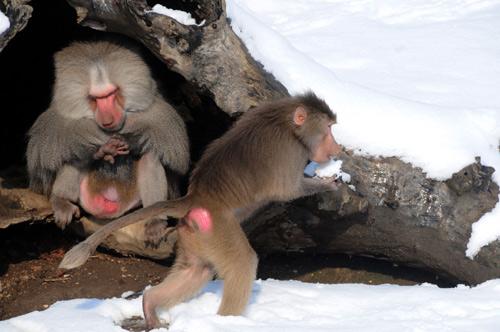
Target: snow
x,y
413,79
332,168
4,22
178,15
292,306
416,79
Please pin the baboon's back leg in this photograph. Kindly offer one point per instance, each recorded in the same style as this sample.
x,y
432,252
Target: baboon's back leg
x,y
236,263
186,277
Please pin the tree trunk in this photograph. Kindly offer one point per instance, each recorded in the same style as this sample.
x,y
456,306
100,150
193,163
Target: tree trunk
x,y
394,213
210,56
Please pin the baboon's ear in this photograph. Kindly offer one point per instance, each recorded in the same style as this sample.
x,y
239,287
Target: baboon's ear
x,y
299,116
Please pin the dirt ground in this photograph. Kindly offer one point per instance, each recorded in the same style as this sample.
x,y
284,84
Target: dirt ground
x,y
29,280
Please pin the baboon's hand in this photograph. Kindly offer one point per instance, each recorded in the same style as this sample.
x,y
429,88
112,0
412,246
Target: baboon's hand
x,y
115,146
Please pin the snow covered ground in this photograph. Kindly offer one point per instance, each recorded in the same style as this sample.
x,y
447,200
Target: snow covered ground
x,y
418,79
292,306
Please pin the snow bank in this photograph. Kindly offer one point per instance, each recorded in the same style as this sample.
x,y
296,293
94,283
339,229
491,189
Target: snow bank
x,y
413,79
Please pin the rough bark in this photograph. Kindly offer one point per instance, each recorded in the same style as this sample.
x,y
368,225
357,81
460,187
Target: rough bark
x,y
210,56
21,205
395,211
18,13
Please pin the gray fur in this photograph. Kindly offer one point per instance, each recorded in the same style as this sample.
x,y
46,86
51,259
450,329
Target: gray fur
x,y
158,125
67,134
55,140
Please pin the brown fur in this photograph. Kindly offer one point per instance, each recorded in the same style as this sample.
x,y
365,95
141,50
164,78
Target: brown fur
x,y
260,159
127,190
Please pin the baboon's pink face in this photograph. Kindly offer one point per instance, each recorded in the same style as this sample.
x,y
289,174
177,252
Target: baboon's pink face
x,y
316,131
326,147
106,103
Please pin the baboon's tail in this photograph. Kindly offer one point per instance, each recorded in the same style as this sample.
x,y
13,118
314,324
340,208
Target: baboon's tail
x,y
80,253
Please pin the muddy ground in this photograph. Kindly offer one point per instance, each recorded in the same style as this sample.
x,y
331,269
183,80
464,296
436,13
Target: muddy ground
x,y
29,280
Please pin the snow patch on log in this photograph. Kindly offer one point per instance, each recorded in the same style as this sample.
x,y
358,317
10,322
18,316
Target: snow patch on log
x,y
484,232
4,23
178,15
332,168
